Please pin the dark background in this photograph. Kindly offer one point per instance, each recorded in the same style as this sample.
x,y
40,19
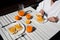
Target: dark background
x,y
5,3
7,6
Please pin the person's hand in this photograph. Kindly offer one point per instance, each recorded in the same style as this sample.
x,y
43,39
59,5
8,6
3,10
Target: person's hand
x,y
42,12
53,19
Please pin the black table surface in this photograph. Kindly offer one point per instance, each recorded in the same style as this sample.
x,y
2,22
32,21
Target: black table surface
x,y
56,36
8,9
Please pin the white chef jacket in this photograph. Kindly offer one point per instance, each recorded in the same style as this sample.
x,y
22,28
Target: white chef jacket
x,y
50,10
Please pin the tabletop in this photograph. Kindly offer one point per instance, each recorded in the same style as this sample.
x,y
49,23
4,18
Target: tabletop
x,y
44,31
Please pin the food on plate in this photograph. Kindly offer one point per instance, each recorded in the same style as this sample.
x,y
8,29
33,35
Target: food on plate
x,y
39,18
28,16
28,21
29,28
15,28
18,27
12,30
17,17
21,13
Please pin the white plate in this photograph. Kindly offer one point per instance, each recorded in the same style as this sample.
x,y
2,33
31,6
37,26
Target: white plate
x,y
19,33
45,19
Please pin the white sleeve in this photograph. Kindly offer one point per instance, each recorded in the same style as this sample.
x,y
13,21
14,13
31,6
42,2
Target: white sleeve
x,y
40,6
58,15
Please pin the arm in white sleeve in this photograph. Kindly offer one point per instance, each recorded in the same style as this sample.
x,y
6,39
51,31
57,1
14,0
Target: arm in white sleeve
x,y
58,15
40,6
55,13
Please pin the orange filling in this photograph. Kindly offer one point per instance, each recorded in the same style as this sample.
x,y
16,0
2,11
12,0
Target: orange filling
x,y
21,13
17,17
29,29
28,16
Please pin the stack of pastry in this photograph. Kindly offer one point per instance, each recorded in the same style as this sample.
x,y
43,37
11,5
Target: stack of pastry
x,y
21,13
39,18
27,21
29,28
14,29
28,16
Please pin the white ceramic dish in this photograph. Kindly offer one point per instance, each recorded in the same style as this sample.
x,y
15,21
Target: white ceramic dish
x,y
45,19
19,33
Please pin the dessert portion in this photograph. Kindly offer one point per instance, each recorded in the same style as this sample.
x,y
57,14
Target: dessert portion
x,y
15,28
21,13
29,28
18,27
27,21
12,30
39,18
17,17
28,16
